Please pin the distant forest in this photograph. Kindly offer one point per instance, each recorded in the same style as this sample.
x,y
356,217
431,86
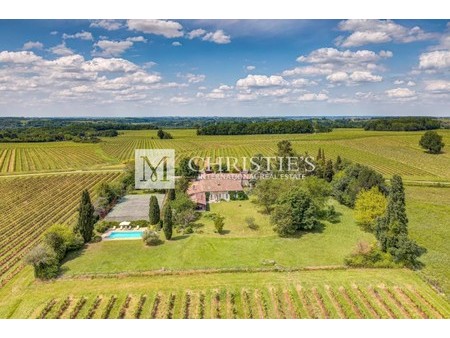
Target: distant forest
x,y
22,129
403,124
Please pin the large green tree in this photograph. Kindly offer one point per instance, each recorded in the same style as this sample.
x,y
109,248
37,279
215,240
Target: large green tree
x,y
154,212
369,205
167,222
186,170
432,142
44,261
86,218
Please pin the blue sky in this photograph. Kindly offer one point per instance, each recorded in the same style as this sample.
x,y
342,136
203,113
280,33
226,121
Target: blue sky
x,y
224,67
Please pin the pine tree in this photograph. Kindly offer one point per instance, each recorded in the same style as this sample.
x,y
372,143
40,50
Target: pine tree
x,y
319,155
167,223
154,212
86,219
171,194
329,171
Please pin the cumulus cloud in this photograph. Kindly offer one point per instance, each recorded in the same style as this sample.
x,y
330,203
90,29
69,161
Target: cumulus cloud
x,y
109,65
401,93
218,37
437,86
196,33
32,45
354,77
137,39
365,32
309,70
110,25
61,49
168,29
180,99
261,81
19,57
176,44
81,35
112,48
313,97
332,55
250,68
435,60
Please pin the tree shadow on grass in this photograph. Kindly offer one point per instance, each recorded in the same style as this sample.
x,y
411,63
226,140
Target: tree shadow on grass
x,y
179,237
319,228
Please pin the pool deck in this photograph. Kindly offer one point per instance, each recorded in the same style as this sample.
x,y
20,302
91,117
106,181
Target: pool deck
x,y
107,233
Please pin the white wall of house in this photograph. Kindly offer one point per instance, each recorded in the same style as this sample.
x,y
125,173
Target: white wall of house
x,y
219,196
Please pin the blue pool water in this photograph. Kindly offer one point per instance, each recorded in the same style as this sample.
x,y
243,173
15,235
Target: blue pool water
x,y
136,234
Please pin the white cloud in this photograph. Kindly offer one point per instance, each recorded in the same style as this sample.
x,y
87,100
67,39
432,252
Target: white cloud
x,y
365,32
192,78
410,83
19,57
32,45
61,49
261,81
360,76
434,60
137,39
168,29
112,48
196,33
332,55
309,70
180,99
218,37
81,35
109,65
338,77
176,44
399,82
313,97
301,82
437,86
343,100
110,25
53,32
400,93
250,68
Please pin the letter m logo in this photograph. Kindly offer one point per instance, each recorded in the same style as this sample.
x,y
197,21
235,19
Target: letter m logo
x,y
154,168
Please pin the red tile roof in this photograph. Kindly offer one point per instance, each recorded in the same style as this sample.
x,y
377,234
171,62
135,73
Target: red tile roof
x,y
215,185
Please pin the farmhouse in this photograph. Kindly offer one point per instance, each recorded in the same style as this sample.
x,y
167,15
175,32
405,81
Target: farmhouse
x,y
212,188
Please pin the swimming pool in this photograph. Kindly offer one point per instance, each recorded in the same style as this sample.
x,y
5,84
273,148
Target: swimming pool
x,y
135,234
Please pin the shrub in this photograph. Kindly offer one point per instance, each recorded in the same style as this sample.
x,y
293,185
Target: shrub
x,y
219,223
432,142
167,222
44,261
251,223
103,226
370,256
151,238
142,223
96,239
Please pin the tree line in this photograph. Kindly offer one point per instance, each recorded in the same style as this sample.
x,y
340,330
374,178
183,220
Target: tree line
x,y
403,124
249,128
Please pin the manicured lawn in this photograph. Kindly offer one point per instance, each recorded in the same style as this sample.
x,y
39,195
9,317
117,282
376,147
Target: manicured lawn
x,y
429,223
211,250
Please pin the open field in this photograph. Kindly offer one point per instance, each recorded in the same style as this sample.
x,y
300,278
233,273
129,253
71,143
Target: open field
x,y
387,152
30,205
366,293
429,223
235,249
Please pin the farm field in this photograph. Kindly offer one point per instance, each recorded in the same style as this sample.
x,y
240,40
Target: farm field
x,y
387,152
429,224
367,293
235,249
30,205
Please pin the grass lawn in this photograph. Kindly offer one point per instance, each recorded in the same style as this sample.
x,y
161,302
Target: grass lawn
x,y
211,250
429,223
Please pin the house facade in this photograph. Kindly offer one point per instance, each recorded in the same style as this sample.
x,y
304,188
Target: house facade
x,y
213,188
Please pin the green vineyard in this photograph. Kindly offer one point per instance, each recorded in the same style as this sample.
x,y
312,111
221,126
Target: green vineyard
x,y
291,301
31,204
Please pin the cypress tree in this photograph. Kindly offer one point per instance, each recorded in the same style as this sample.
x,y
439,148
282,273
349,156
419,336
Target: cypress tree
x,y
171,194
319,155
86,219
392,229
329,172
154,212
338,164
167,223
